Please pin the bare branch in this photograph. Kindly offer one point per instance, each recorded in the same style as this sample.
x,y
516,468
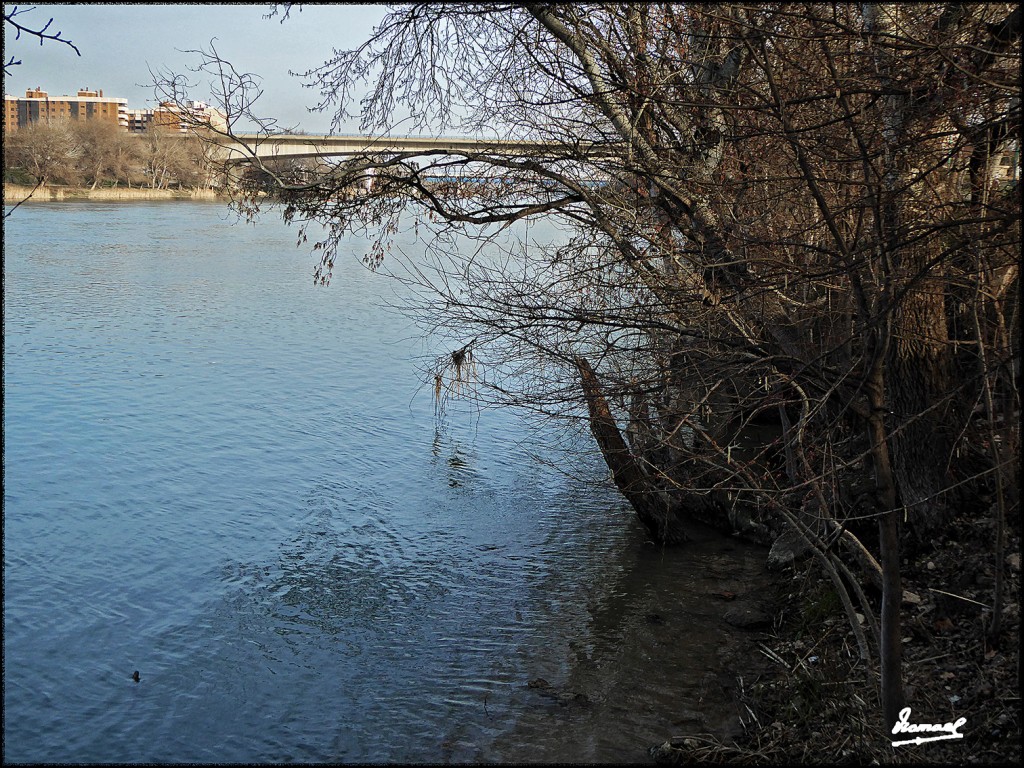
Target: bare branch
x,y
43,33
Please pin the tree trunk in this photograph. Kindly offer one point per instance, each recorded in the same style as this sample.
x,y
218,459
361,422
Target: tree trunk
x,y
653,505
919,374
891,650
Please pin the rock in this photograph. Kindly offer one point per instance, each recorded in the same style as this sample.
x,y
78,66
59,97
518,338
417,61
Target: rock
x,y
747,617
787,549
664,753
1013,560
909,598
570,697
539,682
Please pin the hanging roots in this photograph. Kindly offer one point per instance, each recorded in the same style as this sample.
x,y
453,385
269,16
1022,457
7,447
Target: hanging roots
x,y
458,368
461,367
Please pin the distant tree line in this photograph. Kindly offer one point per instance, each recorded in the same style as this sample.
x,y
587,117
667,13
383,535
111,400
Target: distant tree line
x,y
97,154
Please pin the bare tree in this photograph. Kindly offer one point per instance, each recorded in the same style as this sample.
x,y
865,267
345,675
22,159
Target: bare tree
x,y
108,153
173,159
788,296
49,152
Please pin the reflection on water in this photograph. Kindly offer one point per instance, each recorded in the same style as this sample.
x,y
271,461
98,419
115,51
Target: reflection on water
x,y
218,475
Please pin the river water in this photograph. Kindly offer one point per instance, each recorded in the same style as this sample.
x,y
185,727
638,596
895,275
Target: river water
x,y
231,480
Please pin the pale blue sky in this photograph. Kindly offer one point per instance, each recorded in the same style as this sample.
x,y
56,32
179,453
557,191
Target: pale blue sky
x,y
120,43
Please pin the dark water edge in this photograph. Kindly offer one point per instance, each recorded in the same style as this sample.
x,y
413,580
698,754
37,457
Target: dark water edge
x,y
663,659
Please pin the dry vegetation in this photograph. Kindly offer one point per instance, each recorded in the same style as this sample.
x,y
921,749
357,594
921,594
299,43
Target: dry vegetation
x,y
99,154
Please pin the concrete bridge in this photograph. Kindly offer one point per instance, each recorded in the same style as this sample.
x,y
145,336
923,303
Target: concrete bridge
x,y
244,146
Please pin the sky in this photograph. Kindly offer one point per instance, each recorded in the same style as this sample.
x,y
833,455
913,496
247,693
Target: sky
x,y
121,43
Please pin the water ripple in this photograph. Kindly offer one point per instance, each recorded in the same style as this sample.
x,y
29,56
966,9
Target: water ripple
x,y
218,475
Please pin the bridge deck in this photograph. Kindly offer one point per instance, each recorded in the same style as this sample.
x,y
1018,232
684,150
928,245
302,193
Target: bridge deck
x,y
300,146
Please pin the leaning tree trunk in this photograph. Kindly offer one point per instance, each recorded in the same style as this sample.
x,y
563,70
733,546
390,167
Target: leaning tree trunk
x,y
653,506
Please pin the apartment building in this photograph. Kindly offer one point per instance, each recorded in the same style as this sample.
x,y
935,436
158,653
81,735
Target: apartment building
x,y
170,117
194,113
10,113
140,120
37,106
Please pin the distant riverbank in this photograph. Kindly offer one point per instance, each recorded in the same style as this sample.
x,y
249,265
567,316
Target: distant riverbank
x,y
15,193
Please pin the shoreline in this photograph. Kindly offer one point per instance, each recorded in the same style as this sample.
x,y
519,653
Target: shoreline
x,y
16,193
668,662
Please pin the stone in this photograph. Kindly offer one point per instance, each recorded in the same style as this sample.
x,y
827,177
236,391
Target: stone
x,y
910,598
787,549
570,697
747,617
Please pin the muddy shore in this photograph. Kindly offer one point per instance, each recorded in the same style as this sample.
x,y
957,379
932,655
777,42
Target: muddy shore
x,y
815,701
779,678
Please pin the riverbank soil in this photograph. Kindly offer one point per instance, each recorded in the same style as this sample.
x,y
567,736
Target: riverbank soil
x,y
817,702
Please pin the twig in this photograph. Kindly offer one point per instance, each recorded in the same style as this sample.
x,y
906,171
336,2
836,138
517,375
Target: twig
x,y
15,206
41,33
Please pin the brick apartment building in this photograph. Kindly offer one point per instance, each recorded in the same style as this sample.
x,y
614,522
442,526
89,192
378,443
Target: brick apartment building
x,y
37,106
173,118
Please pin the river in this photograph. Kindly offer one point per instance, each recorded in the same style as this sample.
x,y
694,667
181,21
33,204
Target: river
x,y
231,480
